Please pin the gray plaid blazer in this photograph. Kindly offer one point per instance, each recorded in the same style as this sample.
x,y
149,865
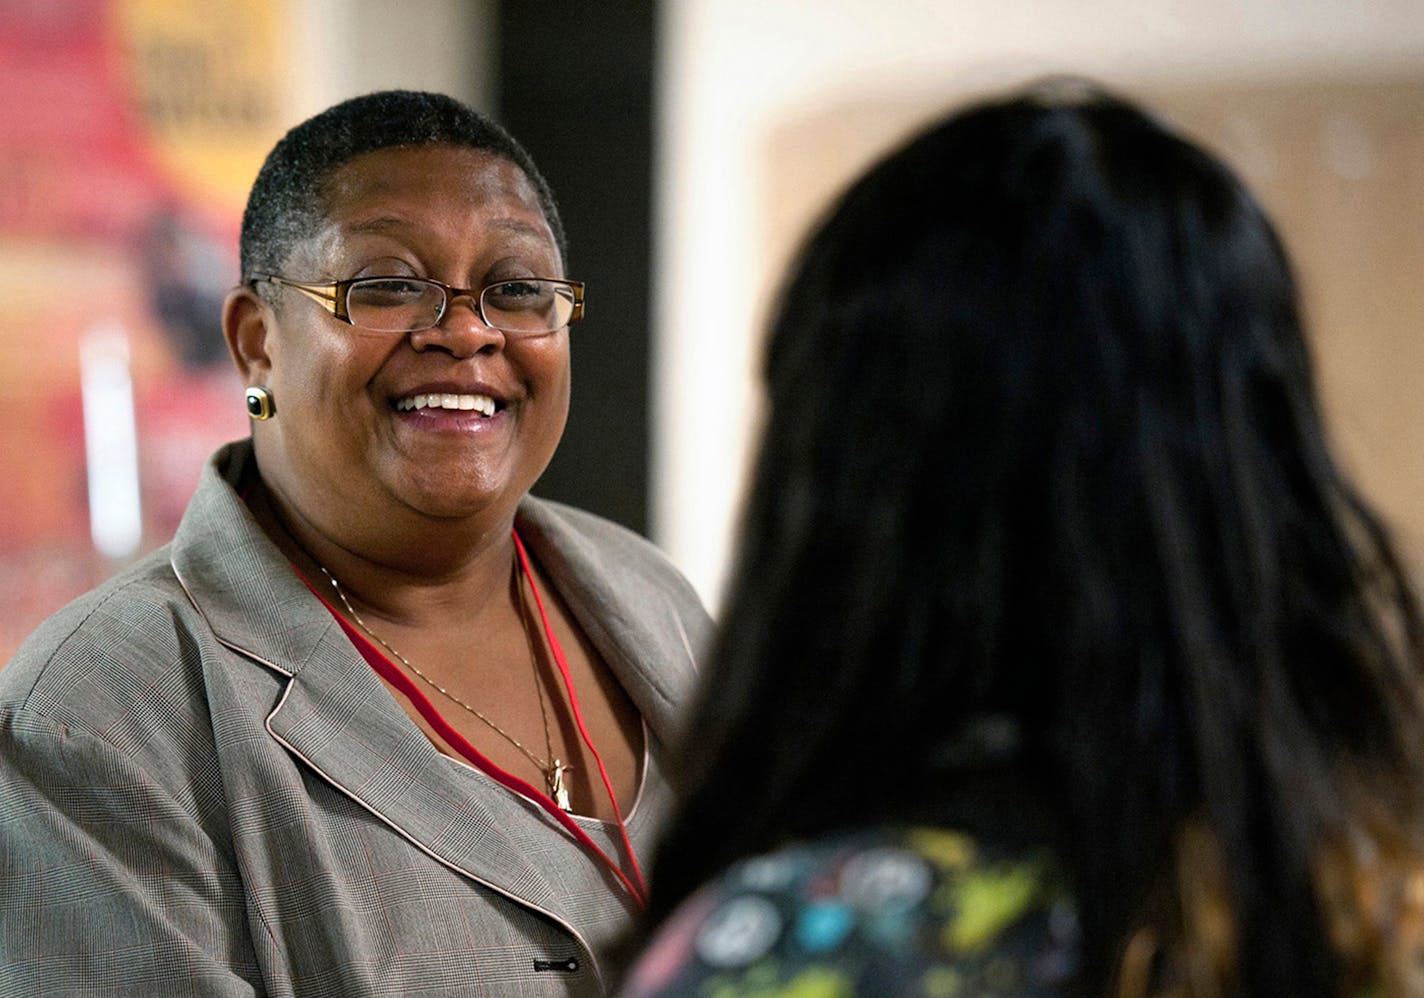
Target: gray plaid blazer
x,y
204,789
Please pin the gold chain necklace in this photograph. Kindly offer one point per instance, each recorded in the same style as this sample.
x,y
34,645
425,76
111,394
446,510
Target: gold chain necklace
x,y
552,768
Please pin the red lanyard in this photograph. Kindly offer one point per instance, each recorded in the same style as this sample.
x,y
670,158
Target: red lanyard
x,y
388,671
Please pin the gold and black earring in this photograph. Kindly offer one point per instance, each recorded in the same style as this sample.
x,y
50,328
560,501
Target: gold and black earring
x,y
259,403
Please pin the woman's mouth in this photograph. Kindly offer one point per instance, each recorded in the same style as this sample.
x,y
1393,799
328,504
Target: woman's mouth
x,y
482,404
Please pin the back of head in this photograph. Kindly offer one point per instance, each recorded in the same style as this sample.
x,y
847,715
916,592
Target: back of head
x,y
285,206
1044,539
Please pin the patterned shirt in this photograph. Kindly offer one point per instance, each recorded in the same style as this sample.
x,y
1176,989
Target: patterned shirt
x,y
921,912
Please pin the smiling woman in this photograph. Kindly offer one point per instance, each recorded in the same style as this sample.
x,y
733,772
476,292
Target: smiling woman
x,y
378,720
440,212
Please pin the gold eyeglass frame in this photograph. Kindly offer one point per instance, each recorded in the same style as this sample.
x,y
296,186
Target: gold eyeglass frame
x,y
332,297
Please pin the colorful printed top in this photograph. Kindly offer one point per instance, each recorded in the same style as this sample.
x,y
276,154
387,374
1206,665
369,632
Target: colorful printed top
x,y
918,912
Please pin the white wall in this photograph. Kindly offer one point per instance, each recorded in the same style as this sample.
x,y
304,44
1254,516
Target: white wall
x,y
732,70
342,48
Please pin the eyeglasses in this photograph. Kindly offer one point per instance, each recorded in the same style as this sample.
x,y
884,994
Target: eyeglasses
x,y
524,307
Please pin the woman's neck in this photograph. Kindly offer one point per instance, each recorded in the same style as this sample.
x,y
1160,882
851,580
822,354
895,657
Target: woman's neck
x,y
403,575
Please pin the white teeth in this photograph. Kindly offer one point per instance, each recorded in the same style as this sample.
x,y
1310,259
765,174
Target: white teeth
x,y
446,400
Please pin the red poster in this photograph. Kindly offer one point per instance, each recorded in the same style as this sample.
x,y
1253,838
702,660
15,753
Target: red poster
x,y
129,133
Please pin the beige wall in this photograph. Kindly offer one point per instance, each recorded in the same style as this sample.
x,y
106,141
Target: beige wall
x,y
1339,163
341,48
767,109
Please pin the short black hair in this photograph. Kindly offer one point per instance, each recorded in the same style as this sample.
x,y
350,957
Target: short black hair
x,y
286,206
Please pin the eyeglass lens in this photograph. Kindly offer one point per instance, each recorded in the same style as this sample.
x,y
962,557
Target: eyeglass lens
x,y
388,304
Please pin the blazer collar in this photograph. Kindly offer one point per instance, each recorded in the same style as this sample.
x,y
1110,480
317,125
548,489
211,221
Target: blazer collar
x,y
254,600
337,717
624,606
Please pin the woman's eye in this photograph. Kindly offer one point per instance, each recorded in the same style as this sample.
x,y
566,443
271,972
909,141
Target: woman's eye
x,y
393,288
517,295
515,289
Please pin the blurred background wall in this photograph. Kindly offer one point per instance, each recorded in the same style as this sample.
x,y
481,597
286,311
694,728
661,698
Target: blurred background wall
x,y
690,143
129,130
767,107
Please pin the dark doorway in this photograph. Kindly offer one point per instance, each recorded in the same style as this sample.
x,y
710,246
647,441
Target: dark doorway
x,y
575,85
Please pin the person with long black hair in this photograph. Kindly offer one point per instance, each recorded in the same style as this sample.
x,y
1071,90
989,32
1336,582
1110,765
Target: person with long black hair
x,y
1059,656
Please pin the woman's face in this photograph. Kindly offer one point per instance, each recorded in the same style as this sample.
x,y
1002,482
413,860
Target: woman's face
x,y
346,449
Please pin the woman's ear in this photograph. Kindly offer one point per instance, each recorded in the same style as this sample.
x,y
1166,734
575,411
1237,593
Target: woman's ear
x,y
246,321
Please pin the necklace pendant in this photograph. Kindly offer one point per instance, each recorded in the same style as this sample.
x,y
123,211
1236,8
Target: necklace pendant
x,y
557,788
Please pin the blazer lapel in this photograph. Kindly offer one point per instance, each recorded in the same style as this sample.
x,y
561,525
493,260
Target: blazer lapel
x,y
648,626
339,719
335,715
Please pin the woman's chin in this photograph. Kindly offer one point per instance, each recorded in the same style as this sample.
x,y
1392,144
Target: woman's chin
x,y
460,497
453,483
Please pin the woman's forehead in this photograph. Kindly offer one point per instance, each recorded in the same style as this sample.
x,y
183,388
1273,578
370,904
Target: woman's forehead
x,y
405,192
446,168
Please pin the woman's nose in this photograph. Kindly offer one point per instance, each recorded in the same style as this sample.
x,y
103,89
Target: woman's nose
x,y
461,330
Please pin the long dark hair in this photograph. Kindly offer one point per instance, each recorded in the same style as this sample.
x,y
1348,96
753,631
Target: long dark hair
x,y
1044,541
